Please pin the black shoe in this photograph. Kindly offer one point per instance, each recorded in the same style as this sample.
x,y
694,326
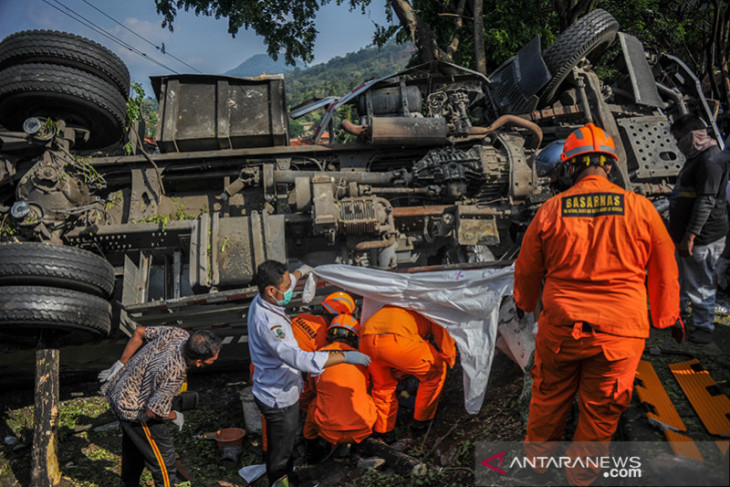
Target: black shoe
x,y
342,452
314,451
388,438
419,427
701,336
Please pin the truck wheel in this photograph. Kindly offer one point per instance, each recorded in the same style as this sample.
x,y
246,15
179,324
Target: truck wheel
x,y
70,315
61,48
33,263
62,93
588,37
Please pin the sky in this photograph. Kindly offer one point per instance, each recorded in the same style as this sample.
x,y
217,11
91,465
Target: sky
x,y
200,41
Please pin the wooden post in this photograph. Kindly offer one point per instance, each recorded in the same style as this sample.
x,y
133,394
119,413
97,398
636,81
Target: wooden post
x,y
45,471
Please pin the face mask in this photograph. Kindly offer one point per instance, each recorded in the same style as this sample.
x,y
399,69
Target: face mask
x,y
685,144
287,297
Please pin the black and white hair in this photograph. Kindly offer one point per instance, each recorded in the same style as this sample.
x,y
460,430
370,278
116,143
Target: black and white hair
x,y
202,345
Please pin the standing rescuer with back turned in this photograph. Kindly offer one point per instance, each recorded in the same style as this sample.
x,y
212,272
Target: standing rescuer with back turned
x,y
601,252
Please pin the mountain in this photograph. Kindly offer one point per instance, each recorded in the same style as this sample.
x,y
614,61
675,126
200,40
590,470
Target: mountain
x,y
339,75
333,78
258,65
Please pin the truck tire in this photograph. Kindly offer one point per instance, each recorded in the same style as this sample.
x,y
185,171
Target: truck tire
x,y
33,263
588,37
70,315
61,48
62,93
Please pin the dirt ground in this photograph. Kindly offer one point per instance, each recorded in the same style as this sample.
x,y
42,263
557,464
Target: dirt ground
x,y
92,458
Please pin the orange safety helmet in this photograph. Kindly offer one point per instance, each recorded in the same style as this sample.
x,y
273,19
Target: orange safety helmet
x,y
587,140
339,302
346,321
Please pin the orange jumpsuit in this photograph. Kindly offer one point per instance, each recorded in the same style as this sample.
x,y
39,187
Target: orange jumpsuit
x,y
310,331
342,411
311,334
394,339
601,251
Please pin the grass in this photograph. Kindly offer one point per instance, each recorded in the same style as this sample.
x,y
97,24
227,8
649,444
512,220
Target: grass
x,y
93,458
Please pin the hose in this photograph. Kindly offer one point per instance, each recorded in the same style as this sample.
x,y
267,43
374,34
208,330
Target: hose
x,y
515,120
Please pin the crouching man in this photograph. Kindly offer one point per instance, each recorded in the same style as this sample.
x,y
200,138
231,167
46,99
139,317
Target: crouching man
x,y
342,411
140,388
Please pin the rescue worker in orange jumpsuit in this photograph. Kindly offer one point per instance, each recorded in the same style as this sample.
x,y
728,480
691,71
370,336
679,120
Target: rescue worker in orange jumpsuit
x,y
311,331
601,251
395,340
342,410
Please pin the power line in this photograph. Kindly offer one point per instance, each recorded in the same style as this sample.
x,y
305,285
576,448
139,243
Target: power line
x,y
88,23
161,49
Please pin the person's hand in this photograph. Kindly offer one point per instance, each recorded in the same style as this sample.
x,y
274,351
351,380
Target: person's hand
x,y
678,332
304,270
721,272
686,245
356,358
179,420
106,374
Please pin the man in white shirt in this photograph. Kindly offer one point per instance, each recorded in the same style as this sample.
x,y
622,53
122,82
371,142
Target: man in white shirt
x,y
278,363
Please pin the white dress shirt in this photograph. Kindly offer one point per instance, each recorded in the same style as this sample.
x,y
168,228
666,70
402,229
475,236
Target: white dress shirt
x,y
278,361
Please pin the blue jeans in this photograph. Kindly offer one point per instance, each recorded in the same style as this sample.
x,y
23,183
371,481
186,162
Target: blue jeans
x,y
697,284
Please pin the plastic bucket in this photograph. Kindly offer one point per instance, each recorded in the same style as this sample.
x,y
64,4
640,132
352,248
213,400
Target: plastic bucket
x,y
229,437
251,413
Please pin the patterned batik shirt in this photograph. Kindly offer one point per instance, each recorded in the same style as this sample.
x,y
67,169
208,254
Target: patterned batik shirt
x,y
151,378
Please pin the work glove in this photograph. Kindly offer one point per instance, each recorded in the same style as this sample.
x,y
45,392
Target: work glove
x,y
107,374
179,421
356,358
678,332
721,272
304,270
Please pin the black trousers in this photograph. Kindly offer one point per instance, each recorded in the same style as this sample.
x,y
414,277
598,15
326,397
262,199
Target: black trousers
x,y
281,432
147,445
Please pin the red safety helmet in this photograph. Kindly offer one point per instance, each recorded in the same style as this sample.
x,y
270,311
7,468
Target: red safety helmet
x,y
339,302
346,321
587,140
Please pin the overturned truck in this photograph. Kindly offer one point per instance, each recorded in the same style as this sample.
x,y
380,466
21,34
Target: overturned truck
x,y
448,168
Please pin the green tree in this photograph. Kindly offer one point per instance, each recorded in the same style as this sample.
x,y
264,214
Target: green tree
x,y
481,34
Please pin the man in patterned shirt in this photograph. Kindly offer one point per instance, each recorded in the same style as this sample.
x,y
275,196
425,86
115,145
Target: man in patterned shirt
x,y
140,388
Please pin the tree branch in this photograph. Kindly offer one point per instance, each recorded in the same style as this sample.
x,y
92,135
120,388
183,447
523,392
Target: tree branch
x,y
458,23
419,31
480,57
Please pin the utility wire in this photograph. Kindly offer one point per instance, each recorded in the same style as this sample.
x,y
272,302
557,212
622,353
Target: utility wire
x,y
88,23
159,48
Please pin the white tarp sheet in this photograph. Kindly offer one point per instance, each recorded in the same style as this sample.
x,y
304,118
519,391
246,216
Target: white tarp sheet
x,y
465,302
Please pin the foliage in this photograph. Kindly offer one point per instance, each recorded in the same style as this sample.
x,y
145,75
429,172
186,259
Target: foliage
x,y
342,73
139,107
285,25
337,77
149,113
134,110
445,29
